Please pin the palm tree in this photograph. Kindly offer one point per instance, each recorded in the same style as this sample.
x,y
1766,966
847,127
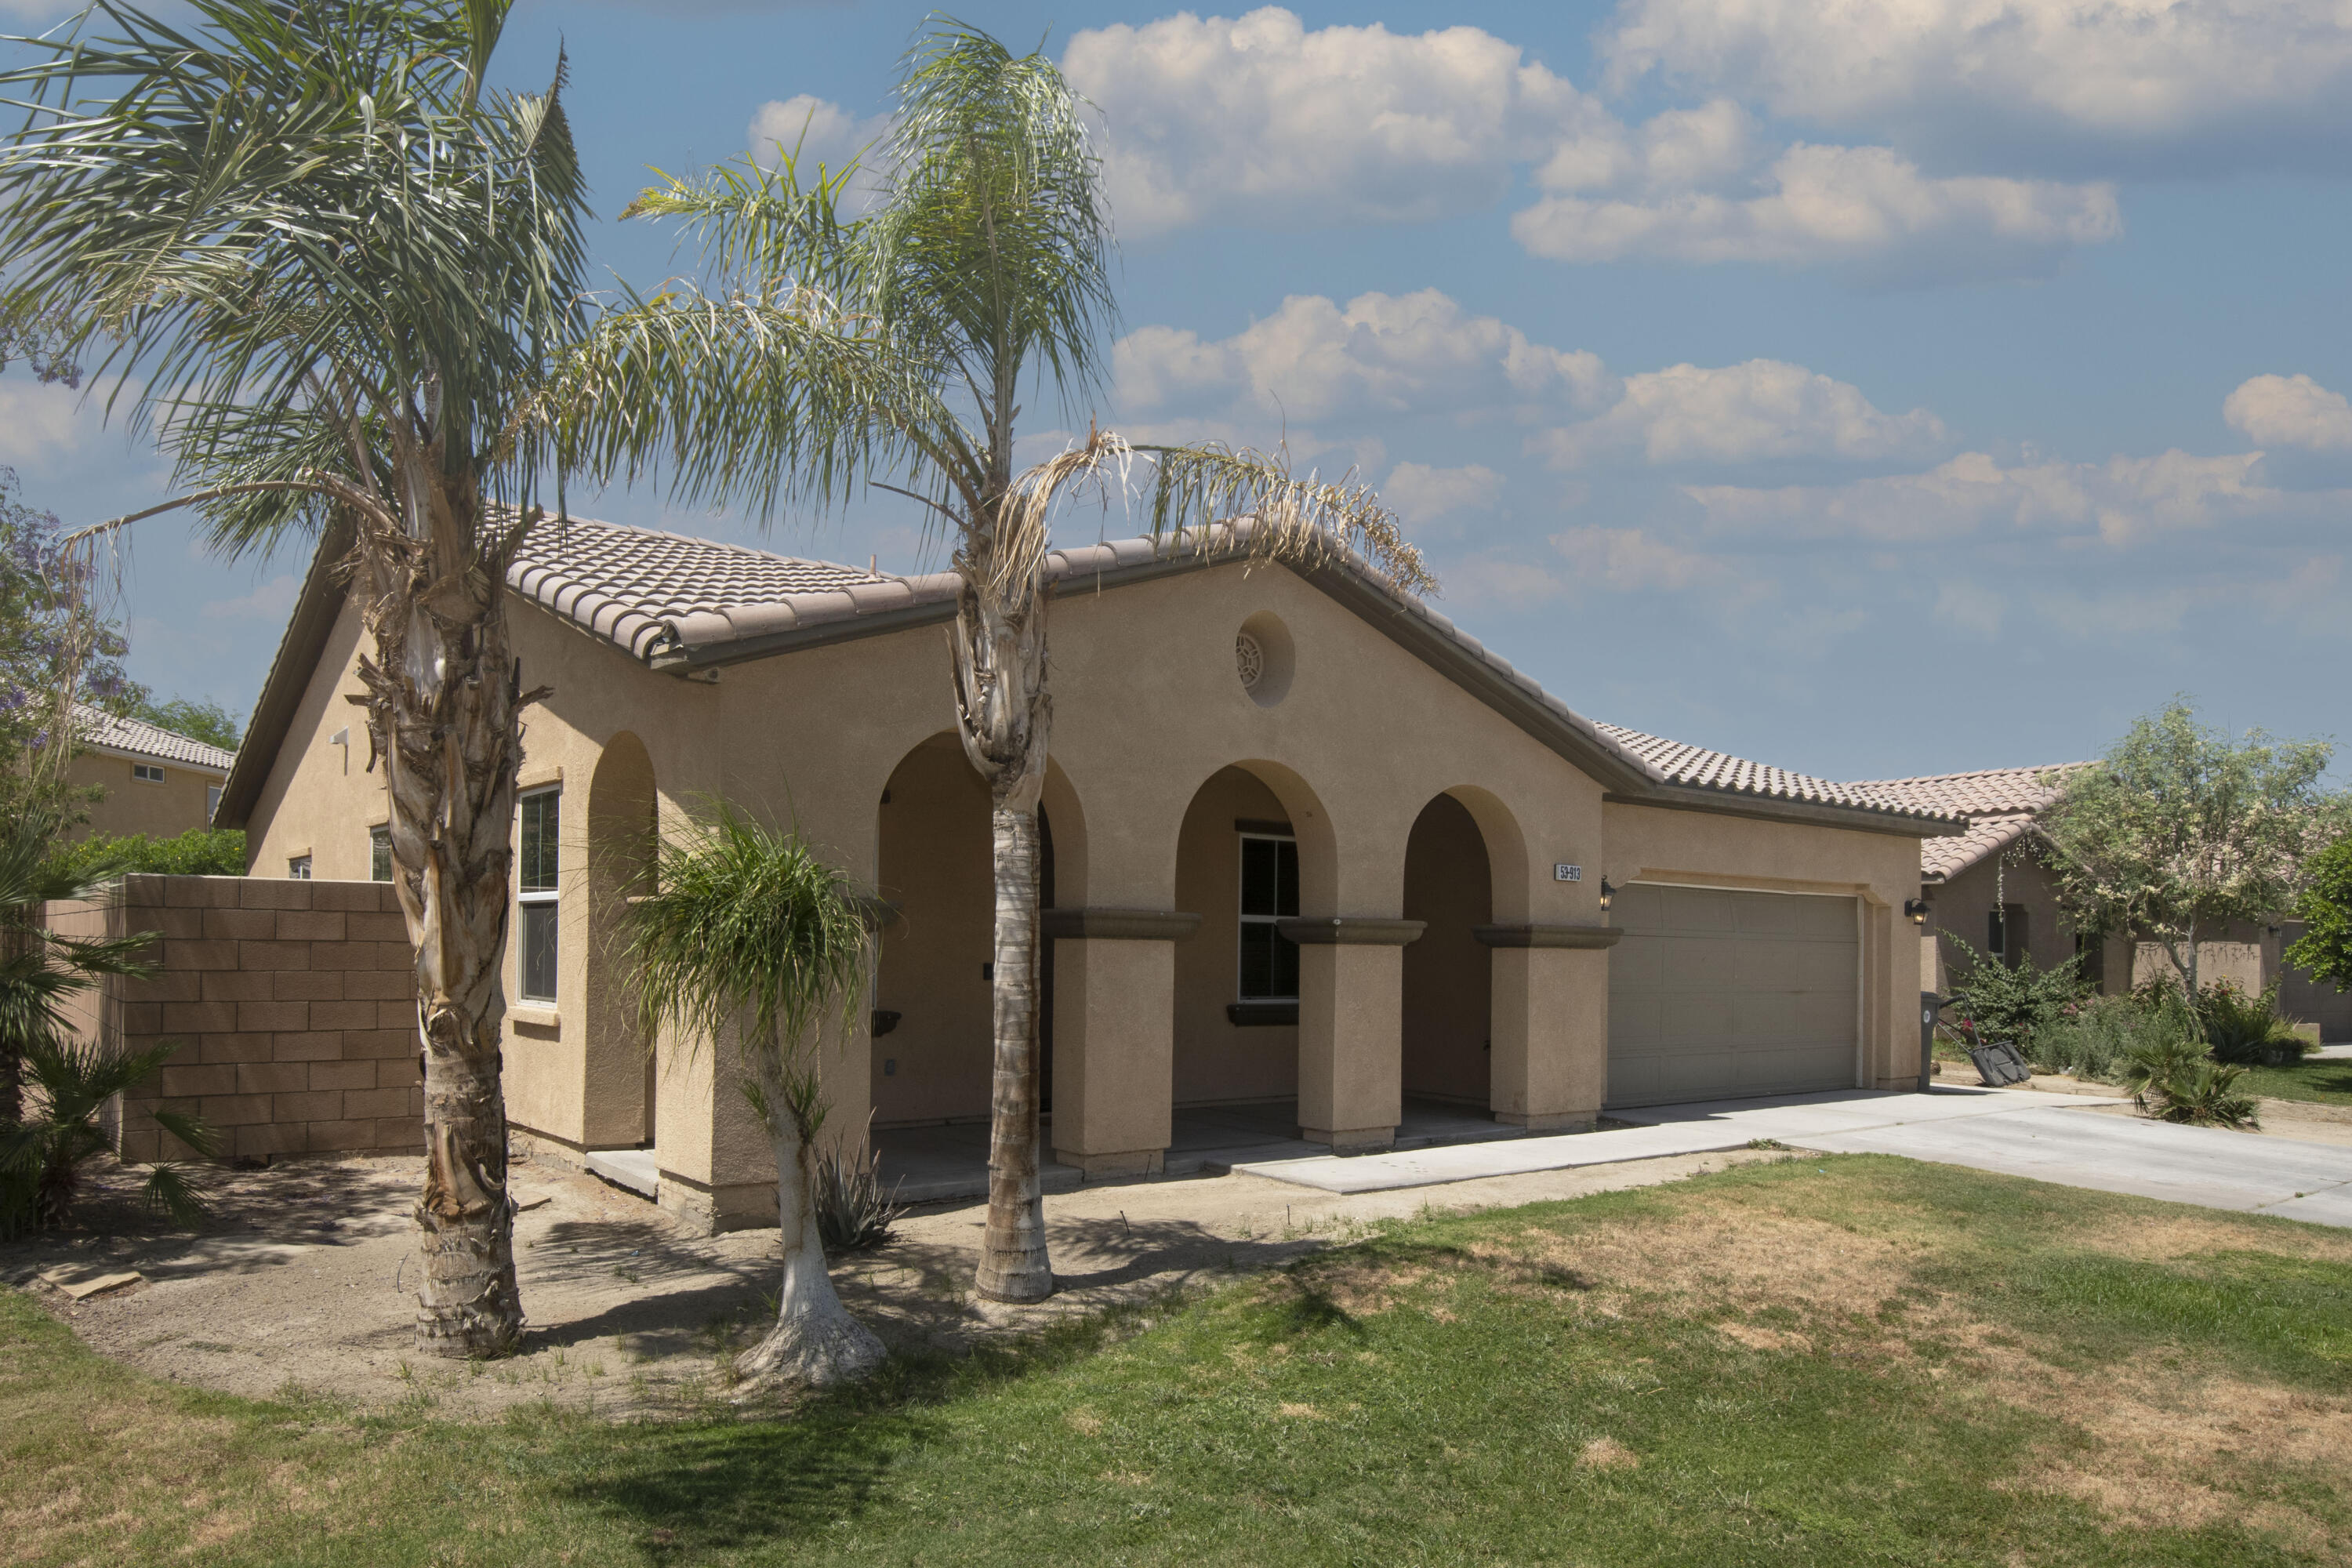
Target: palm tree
x,y
341,279
983,263
750,935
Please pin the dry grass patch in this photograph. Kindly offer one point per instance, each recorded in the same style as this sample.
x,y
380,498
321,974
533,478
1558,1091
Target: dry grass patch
x,y
1607,1454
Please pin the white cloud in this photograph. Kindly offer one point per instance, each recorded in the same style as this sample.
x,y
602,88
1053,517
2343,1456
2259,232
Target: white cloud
x,y
1742,412
40,424
1969,606
2290,411
1418,493
1627,560
1213,119
270,602
1261,121
820,131
1382,354
1862,207
2122,501
1497,583
2064,81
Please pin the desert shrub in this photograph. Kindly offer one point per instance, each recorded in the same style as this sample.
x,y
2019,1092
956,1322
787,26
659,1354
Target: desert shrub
x,y
41,1157
2013,1005
2246,1029
2174,1081
2090,1037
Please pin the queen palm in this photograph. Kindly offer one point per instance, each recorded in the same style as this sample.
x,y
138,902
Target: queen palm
x,y
341,278
983,263
751,936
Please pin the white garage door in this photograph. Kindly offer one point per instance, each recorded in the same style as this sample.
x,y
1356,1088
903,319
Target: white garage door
x,y
1716,993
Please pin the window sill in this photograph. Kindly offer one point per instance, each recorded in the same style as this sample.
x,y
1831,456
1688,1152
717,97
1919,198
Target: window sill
x,y
532,1017
1262,1015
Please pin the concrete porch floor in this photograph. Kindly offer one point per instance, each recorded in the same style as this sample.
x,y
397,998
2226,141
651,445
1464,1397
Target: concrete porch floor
x,y
926,1164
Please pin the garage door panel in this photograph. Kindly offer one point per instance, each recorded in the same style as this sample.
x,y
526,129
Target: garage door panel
x,y
1713,993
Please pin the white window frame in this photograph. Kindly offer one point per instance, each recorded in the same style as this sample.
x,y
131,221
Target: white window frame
x,y
1241,892
147,772
380,838
297,868
546,898
212,802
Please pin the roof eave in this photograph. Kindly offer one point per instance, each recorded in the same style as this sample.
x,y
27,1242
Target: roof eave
x,y
1772,808
315,610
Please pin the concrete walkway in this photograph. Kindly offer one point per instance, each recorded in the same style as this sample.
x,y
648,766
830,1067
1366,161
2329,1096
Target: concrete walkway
x,y
2050,1137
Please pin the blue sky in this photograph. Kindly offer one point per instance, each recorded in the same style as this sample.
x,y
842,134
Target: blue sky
x,y
1898,393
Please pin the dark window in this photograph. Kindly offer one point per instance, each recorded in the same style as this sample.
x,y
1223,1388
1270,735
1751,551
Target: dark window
x,y
2005,934
2091,952
298,867
1269,960
379,853
146,773
535,871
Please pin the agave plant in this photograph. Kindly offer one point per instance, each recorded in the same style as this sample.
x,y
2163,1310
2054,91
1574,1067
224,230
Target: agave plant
x,y
41,1157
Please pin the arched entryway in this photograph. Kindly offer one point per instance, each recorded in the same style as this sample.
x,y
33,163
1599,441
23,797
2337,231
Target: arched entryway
x,y
933,1045
1448,1002
624,836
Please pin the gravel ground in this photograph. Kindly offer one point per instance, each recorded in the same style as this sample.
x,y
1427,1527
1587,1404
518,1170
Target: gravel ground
x,y
307,1277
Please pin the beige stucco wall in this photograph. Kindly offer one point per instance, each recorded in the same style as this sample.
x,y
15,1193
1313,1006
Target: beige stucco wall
x,y
1153,733
164,810
1647,844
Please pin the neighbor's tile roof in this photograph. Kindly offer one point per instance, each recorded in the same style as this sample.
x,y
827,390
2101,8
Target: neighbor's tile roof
x,y
2000,803
662,593
139,738
1687,764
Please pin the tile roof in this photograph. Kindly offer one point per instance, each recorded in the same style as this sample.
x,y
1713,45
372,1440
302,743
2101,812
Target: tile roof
x,y
670,600
1998,803
138,738
1683,763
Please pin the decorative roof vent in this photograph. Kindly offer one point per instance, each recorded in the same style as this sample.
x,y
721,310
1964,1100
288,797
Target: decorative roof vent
x,y
1249,660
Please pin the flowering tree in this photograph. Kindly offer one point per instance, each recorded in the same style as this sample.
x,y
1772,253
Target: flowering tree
x,y
2181,832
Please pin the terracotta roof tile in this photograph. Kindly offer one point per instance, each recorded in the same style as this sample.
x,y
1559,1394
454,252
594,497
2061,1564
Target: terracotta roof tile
x,y
1683,763
140,738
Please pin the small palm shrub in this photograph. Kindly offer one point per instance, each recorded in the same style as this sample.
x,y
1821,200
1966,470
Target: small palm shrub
x,y
42,1156
852,1213
2173,1079
2246,1029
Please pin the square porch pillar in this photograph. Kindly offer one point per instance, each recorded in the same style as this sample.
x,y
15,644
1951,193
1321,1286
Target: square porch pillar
x,y
1114,1036
1551,1062
1350,1028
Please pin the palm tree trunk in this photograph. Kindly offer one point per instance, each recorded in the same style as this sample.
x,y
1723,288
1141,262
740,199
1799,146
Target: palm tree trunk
x,y
443,705
1006,715
15,942
815,1341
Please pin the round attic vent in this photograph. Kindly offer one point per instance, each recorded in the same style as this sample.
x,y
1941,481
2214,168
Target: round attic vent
x,y
1249,660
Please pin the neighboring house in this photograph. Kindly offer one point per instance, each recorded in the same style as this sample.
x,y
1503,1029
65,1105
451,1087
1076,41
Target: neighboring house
x,y
1990,888
155,782
1310,848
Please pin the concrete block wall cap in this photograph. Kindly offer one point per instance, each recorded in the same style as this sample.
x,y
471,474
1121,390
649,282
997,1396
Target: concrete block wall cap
x,y
1119,925
1548,935
1350,930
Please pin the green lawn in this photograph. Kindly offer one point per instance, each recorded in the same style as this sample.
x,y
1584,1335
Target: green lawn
x,y
2328,1079
1856,1361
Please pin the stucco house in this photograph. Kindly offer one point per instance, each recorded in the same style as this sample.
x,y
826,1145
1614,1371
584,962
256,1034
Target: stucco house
x,y
154,782
1313,852
1992,887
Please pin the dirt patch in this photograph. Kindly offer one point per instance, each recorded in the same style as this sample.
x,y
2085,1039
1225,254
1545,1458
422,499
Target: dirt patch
x,y
309,1277
1607,1454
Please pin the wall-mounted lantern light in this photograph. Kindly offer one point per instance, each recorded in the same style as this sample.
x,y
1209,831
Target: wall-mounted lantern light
x,y
1918,909
1608,894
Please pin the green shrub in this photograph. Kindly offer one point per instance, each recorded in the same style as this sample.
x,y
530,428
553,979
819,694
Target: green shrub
x,y
2175,1081
2013,1005
2089,1038
2246,1030
198,852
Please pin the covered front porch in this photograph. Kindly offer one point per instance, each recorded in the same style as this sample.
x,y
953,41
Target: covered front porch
x,y
929,1164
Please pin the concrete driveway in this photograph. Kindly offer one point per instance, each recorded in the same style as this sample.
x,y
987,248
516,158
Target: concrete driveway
x,y
2061,1138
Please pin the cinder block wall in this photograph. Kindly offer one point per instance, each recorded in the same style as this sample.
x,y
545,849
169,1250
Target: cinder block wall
x,y
293,1003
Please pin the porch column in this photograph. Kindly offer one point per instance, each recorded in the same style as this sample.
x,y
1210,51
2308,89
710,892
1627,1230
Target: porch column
x,y
1114,1036
1350,1027
1551,1022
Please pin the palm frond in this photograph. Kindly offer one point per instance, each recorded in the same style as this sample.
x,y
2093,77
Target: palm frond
x,y
169,1192
1305,520
748,927
198,1134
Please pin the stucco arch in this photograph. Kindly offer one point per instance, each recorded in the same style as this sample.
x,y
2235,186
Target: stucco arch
x,y
623,808
1446,1003
1508,863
